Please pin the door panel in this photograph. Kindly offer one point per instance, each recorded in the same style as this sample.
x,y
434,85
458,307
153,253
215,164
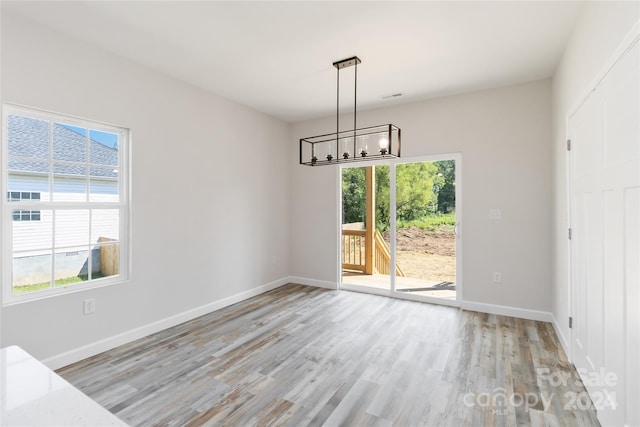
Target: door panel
x,y
365,210
604,183
631,259
425,229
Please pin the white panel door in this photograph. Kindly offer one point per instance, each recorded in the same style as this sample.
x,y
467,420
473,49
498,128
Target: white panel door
x,y
605,216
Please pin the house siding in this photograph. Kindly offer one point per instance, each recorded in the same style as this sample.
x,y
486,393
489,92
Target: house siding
x,y
35,237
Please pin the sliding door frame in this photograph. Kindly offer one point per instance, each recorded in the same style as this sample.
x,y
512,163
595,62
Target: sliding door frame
x,y
391,292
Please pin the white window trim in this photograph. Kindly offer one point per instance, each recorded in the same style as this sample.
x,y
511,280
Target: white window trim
x,y
6,231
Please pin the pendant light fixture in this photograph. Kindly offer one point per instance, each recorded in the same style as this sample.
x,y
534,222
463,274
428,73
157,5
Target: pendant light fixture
x,y
354,145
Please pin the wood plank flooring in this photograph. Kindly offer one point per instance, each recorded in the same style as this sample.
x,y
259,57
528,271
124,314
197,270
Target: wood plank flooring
x,y
300,356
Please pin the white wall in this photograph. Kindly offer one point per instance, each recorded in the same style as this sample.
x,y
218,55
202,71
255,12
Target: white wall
x,y
504,138
209,185
599,30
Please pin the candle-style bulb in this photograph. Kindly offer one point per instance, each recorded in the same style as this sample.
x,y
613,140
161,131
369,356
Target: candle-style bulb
x,y
345,148
362,146
384,145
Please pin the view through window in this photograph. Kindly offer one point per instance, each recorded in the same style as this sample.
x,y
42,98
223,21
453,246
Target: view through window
x,y
66,208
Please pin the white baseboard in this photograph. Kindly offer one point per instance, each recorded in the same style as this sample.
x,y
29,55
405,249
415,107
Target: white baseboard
x,y
313,282
504,310
97,347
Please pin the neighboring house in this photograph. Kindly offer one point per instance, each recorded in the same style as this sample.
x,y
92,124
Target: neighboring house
x,y
82,168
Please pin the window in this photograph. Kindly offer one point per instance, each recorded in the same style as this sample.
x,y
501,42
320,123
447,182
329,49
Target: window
x,y
66,215
16,196
24,215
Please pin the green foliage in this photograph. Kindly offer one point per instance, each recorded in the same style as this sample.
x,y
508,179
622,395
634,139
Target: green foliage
x,y
415,195
353,195
23,289
446,186
431,222
382,198
59,282
425,193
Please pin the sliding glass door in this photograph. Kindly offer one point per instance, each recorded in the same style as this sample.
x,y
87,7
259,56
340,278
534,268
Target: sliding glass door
x,y
365,217
400,229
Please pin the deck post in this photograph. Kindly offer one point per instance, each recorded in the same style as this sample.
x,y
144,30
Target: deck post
x,y
370,220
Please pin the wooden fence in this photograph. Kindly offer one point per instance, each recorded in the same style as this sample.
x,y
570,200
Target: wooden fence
x,y
109,257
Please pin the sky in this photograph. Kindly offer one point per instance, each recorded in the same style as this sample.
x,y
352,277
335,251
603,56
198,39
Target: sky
x,y
104,138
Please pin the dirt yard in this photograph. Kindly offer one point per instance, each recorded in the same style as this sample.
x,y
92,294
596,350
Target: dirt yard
x,y
428,255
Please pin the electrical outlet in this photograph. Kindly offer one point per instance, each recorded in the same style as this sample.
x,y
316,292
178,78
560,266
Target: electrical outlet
x,y
497,277
89,306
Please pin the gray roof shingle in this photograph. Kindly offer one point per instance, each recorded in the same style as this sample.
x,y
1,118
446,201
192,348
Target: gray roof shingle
x,y
28,142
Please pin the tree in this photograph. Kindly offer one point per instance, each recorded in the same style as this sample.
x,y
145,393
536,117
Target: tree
x,y
353,195
415,197
422,189
447,189
382,198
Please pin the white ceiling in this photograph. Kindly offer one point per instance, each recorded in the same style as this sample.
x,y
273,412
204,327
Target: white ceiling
x,y
277,56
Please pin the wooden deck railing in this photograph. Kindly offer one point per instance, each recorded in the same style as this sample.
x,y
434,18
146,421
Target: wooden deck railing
x,y
353,250
383,257
353,253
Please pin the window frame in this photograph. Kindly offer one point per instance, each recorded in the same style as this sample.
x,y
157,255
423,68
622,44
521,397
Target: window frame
x,y
7,208
22,212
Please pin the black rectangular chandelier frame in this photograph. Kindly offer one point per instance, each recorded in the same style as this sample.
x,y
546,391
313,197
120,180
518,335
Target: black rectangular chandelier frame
x,y
354,145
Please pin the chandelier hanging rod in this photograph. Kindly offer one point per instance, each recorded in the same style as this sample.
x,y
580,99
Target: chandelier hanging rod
x,y
349,62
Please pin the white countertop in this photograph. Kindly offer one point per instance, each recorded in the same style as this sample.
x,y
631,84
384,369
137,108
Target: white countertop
x,y
33,395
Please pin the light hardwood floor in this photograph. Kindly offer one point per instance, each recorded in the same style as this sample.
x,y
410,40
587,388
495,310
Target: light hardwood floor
x,y
302,356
